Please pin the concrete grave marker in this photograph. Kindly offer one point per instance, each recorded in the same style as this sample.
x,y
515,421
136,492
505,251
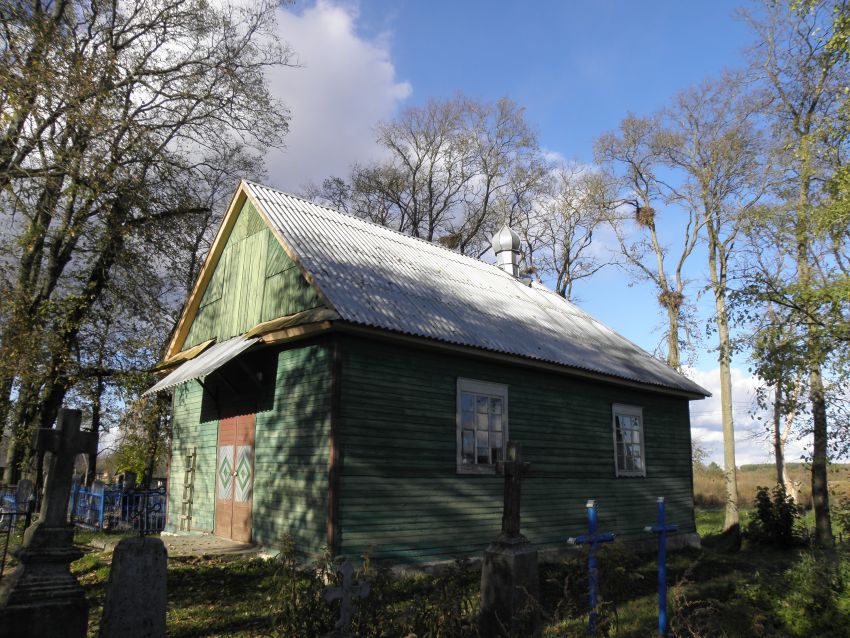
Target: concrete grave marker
x,y
136,593
345,592
509,578
41,598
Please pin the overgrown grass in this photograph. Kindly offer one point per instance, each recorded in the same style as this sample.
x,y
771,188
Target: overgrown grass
x,y
758,592
709,483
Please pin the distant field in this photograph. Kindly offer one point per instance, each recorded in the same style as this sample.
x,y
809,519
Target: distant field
x,y
708,483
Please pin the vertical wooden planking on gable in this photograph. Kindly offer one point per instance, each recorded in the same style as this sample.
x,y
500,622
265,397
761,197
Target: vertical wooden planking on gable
x,y
254,281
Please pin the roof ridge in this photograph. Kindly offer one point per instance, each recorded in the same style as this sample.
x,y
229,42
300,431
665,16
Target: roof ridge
x,y
403,236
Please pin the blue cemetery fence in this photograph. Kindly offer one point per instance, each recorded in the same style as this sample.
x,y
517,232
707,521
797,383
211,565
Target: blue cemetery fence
x,y
16,506
592,538
661,529
117,509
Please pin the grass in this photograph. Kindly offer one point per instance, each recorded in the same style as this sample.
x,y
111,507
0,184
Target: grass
x,y
757,592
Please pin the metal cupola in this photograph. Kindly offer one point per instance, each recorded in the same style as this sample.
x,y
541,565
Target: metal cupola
x,y
506,246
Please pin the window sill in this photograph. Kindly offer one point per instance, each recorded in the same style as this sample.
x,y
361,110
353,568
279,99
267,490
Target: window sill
x,y
477,469
630,475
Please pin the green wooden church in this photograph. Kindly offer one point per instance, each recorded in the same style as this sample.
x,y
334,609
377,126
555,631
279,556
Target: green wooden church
x,y
355,387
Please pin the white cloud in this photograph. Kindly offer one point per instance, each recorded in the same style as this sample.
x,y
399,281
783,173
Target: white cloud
x,y
345,85
752,444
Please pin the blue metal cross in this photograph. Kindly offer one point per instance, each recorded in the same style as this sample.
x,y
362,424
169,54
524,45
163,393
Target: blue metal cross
x,y
593,538
661,529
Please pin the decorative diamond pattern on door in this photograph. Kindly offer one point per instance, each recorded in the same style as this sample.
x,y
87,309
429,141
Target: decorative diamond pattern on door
x,y
225,472
243,473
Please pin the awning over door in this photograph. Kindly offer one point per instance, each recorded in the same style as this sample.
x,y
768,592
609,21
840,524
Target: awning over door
x,y
204,364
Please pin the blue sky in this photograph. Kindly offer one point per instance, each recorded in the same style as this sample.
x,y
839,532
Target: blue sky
x,y
577,67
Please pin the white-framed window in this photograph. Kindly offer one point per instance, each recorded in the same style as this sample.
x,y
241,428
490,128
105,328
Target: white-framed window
x,y
482,425
629,451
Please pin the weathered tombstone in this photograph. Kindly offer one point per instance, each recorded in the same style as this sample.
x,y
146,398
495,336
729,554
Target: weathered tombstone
x,y
41,598
135,594
509,578
344,593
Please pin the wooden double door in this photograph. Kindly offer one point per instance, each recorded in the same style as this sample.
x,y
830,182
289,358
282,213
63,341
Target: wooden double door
x,y
235,478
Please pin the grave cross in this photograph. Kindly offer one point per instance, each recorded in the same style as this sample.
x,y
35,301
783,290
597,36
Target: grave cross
x,y
661,528
592,538
64,442
513,470
42,599
344,593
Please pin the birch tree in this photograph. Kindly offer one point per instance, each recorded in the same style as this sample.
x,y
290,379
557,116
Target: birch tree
x,y
711,139
632,158
806,75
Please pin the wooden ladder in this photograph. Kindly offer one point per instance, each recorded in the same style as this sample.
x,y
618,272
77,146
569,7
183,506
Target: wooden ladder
x,y
188,491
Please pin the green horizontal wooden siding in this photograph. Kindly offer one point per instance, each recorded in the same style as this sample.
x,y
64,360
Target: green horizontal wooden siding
x,y
401,496
188,432
292,451
253,281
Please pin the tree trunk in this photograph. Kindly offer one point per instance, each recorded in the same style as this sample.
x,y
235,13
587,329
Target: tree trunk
x,y
778,448
91,470
673,357
820,488
731,522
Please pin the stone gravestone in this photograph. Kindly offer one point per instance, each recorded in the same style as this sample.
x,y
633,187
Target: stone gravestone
x,y
345,592
509,579
135,594
41,598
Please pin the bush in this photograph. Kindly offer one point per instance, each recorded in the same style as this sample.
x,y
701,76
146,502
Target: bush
x,y
841,515
814,601
776,520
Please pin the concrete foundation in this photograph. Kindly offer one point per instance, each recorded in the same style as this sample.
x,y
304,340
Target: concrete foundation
x,y
510,591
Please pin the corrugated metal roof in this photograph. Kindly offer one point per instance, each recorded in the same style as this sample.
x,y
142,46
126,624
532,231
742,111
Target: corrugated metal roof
x,y
204,364
380,278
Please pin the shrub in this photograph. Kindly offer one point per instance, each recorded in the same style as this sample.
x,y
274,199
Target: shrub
x,y
814,600
841,515
776,520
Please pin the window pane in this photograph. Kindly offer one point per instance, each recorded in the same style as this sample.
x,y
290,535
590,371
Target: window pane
x,y
496,439
482,422
495,405
468,419
482,404
467,402
496,422
468,446
482,441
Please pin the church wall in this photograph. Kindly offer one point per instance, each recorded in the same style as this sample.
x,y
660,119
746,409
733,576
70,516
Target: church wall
x,y
401,496
292,426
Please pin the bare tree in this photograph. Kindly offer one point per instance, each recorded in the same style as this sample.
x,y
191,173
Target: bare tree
x,y
573,209
711,139
454,170
115,114
631,157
